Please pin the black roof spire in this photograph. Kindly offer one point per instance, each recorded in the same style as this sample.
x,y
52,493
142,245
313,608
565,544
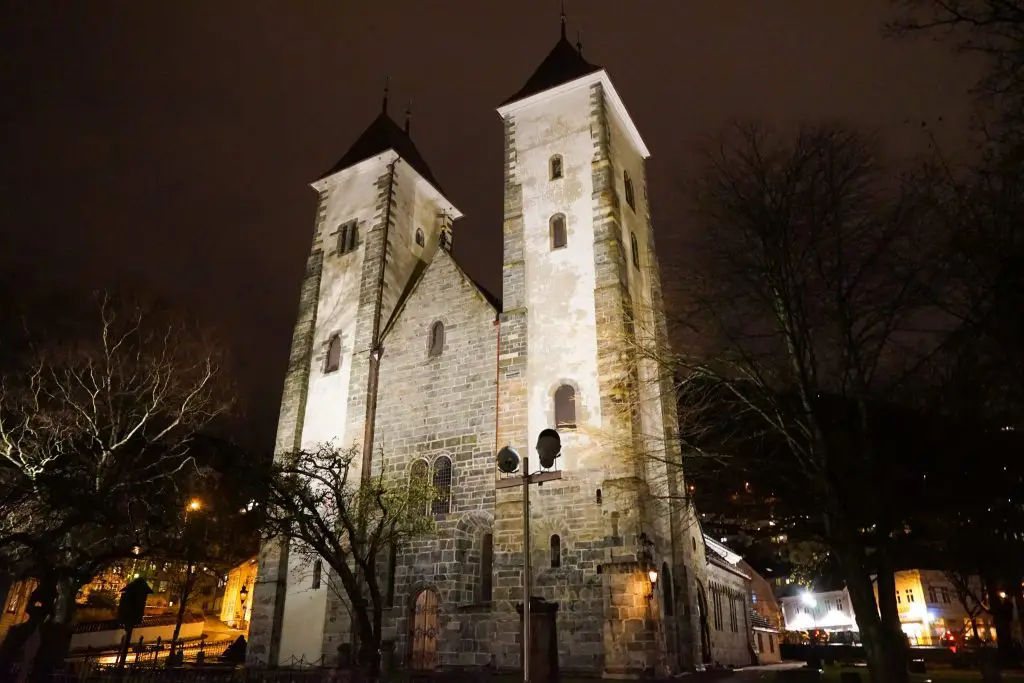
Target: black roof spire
x,y
563,64
384,103
579,42
408,117
563,19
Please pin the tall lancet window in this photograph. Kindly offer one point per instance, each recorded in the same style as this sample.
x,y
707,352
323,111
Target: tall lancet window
x,y
555,167
559,236
628,183
635,248
565,407
442,486
556,551
333,360
420,239
436,342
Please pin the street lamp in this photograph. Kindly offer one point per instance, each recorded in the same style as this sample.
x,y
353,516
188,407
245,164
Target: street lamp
x,y
549,447
194,505
243,595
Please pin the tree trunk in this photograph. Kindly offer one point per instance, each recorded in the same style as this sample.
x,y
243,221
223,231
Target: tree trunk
x,y
186,591
889,614
1002,614
878,649
56,633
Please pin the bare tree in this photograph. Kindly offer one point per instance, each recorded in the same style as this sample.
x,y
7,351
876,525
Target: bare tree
x,y
96,422
328,513
802,306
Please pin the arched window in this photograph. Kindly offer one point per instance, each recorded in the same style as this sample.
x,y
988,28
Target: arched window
x,y
436,339
442,503
555,167
628,183
318,567
556,552
418,480
333,360
635,249
666,582
420,239
559,236
599,499
486,568
565,407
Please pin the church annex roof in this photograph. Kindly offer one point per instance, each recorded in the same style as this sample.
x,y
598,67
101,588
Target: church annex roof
x,y
381,135
563,64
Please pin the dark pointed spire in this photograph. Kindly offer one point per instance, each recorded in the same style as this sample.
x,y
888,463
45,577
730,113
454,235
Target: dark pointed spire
x,y
579,42
384,103
408,117
563,19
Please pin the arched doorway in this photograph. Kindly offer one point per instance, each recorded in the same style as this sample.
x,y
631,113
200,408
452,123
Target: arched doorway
x,y
705,632
423,637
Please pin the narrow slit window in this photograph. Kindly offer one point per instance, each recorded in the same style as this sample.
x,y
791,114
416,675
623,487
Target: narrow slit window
x,y
333,360
598,497
436,347
348,237
318,567
556,167
420,239
565,407
635,248
442,502
666,582
559,235
486,568
628,184
556,551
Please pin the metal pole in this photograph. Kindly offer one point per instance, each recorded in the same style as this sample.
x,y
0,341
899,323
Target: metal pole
x,y
526,570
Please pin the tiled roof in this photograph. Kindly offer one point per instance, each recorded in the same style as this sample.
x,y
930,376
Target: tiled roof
x,y
384,134
563,64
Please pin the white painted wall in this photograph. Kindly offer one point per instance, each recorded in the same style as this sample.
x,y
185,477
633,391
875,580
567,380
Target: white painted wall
x,y
352,195
112,638
559,283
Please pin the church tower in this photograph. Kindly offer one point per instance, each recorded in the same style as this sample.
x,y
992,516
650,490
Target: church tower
x,y
381,219
580,283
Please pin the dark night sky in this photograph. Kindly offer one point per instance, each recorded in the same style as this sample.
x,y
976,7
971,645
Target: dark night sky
x,y
169,146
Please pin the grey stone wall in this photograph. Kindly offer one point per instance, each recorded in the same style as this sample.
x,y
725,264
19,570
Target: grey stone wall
x,y
730,638
443,406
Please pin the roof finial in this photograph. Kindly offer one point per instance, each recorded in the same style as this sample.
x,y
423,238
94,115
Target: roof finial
x,y
408,117
384,104
563,19
579,41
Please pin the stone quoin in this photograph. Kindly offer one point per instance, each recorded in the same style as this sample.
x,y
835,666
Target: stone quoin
x,y
462,373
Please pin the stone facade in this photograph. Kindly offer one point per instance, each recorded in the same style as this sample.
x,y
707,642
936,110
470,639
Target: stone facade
x,y
571,311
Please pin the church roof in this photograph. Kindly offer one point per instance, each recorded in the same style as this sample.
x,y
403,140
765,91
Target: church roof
x,y
563,64
384,134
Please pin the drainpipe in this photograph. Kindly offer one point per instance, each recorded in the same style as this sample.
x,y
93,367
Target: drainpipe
x,y
376,351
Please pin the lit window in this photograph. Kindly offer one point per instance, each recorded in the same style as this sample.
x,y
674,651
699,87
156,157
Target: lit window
x,y
628,183
635,249
420,239
565,407
333,360
910,595
442,486
556,552
559,236
436,347
556,167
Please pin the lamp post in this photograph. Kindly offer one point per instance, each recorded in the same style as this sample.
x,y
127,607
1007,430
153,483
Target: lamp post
x,y
549,446
243,595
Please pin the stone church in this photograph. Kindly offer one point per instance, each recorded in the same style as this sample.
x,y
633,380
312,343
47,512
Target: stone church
x,y
398,350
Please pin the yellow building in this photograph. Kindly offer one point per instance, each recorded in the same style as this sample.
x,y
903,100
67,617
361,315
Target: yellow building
x,y
236,606
14,603
930,607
